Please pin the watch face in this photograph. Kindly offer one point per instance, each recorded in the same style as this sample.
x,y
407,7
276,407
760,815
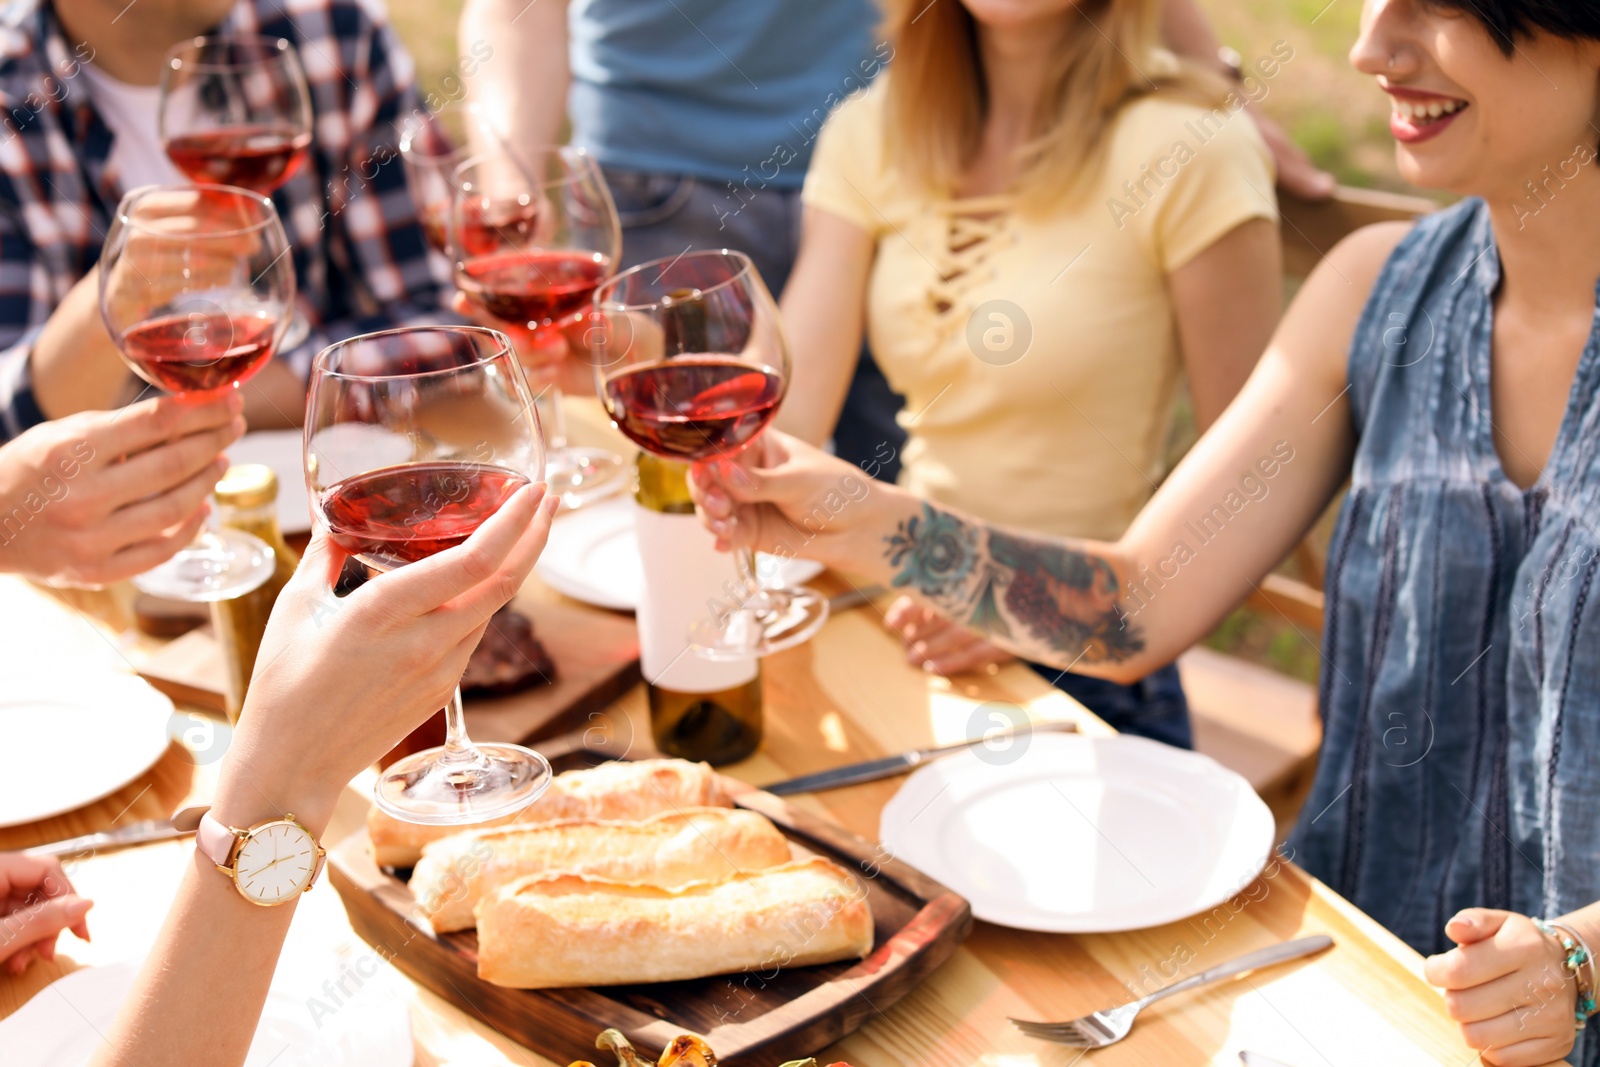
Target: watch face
x,y
275,862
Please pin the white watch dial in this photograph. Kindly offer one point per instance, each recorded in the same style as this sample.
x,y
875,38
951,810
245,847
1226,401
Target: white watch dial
x,y
275,863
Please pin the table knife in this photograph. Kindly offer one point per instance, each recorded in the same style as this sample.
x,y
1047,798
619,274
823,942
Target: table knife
x,y
139,833
854,597
1256,1059
889,766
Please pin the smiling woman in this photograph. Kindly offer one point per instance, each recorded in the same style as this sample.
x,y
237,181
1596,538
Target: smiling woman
x,y
1461,584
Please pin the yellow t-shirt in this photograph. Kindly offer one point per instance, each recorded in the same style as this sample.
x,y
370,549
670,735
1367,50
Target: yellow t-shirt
x,y
1039,355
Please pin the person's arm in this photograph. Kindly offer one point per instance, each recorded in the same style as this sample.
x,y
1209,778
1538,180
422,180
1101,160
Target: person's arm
x,y
1226,301
1261,476
100,496
1187,32
387,656
74,363
523,84
824,314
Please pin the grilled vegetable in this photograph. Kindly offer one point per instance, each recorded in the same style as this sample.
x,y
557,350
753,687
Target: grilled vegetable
x,y
686,1050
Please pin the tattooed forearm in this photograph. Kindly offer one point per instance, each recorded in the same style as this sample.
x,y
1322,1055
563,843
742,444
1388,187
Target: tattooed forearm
x,y
1036,595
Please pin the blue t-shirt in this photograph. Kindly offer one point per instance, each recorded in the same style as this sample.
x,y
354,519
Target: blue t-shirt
x,y
727,90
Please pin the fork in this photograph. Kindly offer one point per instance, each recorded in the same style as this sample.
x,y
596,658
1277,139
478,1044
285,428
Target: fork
x,y
1107,1027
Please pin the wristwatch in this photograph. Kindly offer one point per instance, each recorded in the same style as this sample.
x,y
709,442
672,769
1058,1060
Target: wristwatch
x,y
270,863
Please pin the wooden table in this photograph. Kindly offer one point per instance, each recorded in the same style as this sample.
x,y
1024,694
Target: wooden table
x,y
849,695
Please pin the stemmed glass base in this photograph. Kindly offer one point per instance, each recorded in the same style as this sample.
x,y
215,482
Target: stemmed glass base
x,y
449,787
583,475
217,565
769,621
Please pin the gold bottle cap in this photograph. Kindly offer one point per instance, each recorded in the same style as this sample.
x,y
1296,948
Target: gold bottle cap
x,y
247,485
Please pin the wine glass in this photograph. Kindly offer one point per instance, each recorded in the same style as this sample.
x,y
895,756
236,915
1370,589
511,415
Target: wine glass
x,y
532,232
234,109
432,145
691,362
413,438
196,291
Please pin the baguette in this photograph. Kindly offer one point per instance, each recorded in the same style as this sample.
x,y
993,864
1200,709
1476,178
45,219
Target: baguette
x,y
611,791
559,930
671,849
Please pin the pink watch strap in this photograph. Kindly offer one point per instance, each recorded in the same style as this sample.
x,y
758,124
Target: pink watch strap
x,y
214,840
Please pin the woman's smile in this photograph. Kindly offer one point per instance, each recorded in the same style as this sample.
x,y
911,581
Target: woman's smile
x,y
1417,115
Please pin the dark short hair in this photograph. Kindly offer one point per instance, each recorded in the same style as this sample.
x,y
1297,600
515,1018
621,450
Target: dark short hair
x,y
1507,20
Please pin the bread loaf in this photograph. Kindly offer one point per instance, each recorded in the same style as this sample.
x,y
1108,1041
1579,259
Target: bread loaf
x,y
617,790
670,849
574,930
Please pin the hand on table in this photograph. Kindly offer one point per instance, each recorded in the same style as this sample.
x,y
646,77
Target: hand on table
x,y
936,644
550,357
103,495
1505,985
339,682
37,902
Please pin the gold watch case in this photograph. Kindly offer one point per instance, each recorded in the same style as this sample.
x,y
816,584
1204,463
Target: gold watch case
x,y
279,833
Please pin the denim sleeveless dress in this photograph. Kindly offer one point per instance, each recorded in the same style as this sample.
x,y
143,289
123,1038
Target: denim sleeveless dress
x,y
1460,686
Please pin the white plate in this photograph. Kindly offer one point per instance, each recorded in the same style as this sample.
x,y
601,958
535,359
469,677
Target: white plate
x,y
62,1025
284,452
72,740
1082,835
593,556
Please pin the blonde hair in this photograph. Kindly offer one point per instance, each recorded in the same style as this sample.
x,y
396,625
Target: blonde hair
x,y
936,95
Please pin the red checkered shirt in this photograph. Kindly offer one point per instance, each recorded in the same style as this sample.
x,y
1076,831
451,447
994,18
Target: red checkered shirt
x,y
359,255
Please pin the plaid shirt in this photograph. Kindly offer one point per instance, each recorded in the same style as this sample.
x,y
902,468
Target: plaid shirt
x,y
358,250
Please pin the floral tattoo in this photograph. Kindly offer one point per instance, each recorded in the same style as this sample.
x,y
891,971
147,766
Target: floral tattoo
x,y
935,553
1037,592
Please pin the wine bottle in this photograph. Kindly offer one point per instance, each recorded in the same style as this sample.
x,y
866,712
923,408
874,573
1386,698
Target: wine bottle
x,y
699,709
247,499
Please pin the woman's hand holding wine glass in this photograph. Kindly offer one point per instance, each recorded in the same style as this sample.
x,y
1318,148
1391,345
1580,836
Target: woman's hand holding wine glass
x,y
766,499
691,362
380,660
414,438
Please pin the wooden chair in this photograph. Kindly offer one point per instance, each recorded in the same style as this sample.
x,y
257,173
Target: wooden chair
x,y
1255,720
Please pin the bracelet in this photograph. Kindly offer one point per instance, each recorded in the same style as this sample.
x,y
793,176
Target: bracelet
x,y
1579,963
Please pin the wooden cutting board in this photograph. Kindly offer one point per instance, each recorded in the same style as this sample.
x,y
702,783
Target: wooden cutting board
x,y
757,1019
596,654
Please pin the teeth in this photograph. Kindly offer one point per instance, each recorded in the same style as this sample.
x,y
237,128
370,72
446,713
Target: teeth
x,y
1425,112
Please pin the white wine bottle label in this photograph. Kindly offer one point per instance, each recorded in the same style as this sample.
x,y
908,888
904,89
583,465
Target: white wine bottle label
x,y
684,575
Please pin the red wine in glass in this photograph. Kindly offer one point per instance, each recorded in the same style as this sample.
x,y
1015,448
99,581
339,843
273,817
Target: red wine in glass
x,y
402,514
694,408
533,288
198,353
256,157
